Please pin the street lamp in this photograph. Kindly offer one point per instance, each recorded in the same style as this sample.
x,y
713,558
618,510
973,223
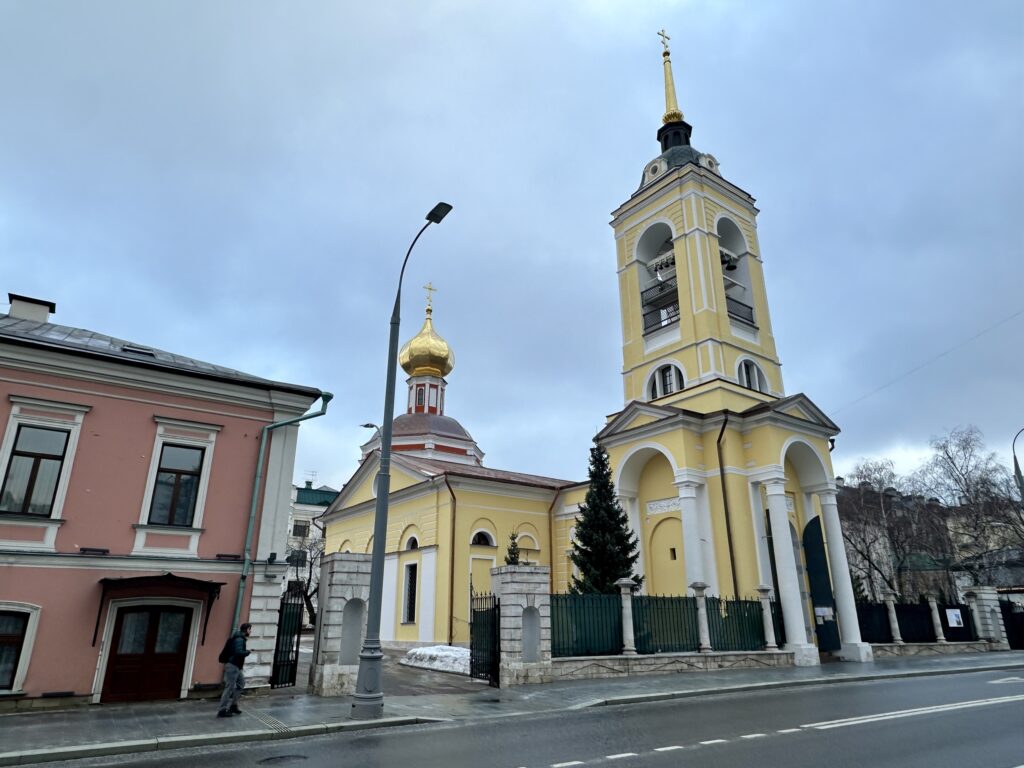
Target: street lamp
x,y
1016,465
368,700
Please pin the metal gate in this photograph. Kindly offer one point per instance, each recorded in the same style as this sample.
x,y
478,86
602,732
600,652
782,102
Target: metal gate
x,y
286,650
1013,622
484,638
825,625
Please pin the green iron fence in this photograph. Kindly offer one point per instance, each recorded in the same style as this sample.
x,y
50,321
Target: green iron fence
x,y
665,624
962,632
873,619
915,620
586,625
777,624
735,625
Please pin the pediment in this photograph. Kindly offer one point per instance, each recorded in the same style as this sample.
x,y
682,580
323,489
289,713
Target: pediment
x,y
359,487
798,406
636,414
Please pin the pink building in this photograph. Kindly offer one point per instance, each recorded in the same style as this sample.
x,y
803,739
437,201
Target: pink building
x,y
129,476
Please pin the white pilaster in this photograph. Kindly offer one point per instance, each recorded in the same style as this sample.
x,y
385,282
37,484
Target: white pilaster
x,y
852,648
693,554
805,653
428,589
389,596
632,506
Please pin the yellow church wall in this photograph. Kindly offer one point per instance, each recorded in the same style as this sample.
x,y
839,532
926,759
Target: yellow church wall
x,y
661,536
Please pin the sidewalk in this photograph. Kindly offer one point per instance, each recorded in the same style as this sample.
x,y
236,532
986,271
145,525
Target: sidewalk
x,y
32,737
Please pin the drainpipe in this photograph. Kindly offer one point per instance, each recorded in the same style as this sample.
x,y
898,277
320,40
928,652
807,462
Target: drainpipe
x,y
451,567
325,398
725,504
551,543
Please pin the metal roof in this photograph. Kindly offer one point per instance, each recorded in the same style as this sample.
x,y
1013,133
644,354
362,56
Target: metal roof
x,y
79,341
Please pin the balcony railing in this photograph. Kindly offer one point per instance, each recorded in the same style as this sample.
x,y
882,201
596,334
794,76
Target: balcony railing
x,y
739,310
660,293
658,318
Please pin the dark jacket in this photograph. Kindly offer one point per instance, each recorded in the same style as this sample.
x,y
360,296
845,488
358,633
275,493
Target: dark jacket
x,y
238,650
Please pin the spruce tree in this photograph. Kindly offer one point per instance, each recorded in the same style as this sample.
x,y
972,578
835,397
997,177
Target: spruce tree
x,y
605,550
512,555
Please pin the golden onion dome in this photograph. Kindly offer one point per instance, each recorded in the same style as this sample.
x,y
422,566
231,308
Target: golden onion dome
x,y
426,353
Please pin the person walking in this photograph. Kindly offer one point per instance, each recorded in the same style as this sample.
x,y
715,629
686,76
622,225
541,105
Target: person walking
x,y
233,658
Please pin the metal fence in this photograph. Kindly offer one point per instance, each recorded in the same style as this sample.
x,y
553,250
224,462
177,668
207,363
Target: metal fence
x,y
665,624
873,619
586,625
735,625
961,631
915,621
777,624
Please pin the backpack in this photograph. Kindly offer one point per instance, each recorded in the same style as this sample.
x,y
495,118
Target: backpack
x,y
227,651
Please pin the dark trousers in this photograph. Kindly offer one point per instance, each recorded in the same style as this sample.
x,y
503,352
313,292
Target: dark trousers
x,y
234,682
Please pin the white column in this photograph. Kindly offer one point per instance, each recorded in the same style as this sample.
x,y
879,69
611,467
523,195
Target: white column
x,y
707,541
632,507
626,587
805,653
933,606
389,597
703,630
852,648
765,593
890,609
689,512
428,589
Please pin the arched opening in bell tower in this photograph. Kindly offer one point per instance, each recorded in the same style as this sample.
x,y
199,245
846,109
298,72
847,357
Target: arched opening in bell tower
x,y
659,291
732,248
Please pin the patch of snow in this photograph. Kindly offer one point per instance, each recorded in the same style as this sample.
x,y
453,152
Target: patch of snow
x,y
444,658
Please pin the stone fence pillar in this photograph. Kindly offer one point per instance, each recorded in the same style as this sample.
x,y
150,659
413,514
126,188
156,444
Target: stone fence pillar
x,y
765,593
936,621
894,624
988,619
703,631
626,587
525,623
340,623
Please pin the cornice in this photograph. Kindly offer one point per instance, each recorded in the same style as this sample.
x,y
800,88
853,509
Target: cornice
x,y
117,562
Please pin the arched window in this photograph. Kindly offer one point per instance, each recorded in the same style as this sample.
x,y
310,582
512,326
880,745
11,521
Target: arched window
x,y
659,290
752,377
482,539
666,380
412,543
732,251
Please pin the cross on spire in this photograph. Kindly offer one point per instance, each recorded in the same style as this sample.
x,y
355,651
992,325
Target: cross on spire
x,y
430,289
664,38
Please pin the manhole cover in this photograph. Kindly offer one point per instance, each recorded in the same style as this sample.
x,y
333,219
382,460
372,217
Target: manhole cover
x,y
278,759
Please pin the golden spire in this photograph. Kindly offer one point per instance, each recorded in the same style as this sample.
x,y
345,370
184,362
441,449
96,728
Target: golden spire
x,y
426,353
672,112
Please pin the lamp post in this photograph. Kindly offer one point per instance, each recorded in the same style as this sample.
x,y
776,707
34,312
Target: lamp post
x,y
368,700
1016,465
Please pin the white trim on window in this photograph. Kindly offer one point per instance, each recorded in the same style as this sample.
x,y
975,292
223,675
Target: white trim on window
x,y
51,414
410,569
176,432
26,644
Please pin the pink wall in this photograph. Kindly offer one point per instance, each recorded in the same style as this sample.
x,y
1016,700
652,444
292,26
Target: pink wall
x,y
63,657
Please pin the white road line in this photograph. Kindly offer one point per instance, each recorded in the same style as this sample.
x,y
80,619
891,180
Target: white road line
x,y
565,765
620,755
789,730
825,725
714,741
667,749
752,736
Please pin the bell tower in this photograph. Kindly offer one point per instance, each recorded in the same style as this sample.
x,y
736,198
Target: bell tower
x,y
696,331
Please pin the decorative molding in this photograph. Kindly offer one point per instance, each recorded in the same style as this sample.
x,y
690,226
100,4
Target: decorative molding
x,y
661,506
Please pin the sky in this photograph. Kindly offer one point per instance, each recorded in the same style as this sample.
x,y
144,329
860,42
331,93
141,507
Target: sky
x,y
238,182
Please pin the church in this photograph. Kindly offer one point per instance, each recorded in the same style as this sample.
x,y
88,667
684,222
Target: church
x,y
726,479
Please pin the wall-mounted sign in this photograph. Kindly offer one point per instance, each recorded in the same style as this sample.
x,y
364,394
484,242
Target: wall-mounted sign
x,y
954,617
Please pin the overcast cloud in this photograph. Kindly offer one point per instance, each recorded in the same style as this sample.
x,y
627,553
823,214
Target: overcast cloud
x,y
238,182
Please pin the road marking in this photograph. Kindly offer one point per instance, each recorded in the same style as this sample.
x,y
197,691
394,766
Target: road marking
x,y
752,736
714,741
789,730
911,712
565,765
667,749
620,755
1007,680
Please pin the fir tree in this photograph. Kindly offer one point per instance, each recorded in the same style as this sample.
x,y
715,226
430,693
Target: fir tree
x,y
512,555
605,550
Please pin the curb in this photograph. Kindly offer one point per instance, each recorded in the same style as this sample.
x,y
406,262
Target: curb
x,y
670,695
160,743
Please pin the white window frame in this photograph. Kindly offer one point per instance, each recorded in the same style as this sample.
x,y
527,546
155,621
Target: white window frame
x,y
654,382
191,434
31,627
743,376
408,568
48,414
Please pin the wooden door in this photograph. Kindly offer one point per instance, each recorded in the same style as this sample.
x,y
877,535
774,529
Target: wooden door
x,y
147,653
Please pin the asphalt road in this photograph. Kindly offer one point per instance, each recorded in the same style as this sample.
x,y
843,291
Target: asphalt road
x,y
954,721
